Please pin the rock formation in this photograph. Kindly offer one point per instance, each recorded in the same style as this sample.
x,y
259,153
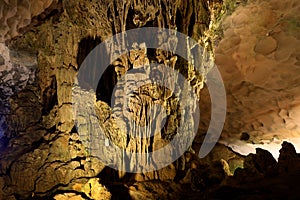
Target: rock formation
x,y
47,153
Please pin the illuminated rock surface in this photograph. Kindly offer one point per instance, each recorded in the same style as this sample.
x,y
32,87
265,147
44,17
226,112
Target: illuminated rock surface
x,y
42,45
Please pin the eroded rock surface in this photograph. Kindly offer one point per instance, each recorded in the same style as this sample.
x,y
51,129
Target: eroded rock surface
x,y
259,62
43,156
46,42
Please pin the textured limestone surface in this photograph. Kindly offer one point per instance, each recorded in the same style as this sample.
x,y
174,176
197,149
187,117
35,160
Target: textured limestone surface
x,y
16,15
43,44
17,68
258,58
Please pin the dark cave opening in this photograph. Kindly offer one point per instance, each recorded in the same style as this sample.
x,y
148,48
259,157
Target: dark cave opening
x,y
86,45
108,79
106,85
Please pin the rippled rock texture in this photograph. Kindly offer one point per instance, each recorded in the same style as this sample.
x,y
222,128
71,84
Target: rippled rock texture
x,y
259,62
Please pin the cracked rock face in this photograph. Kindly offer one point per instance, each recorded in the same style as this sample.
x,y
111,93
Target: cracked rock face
x,y
17,70
44,155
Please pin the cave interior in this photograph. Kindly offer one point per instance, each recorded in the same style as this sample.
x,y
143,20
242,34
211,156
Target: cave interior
x,y
86,108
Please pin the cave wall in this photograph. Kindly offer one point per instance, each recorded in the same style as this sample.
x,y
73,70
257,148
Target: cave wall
x,y
44,43
17,15
259,62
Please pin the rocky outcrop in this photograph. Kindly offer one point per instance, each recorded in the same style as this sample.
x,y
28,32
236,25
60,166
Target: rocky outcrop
x,y
260,176
288,160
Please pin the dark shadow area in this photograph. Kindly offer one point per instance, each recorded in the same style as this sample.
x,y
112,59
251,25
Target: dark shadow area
x,y
50,97
110,178
106,85
85,46
108,79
